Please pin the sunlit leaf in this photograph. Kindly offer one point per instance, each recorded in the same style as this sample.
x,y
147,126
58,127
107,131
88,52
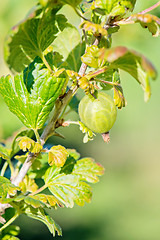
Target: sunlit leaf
x,y
33,107
57,156
67,188
114,7
6,187
119,99
94,28
132,62
91,57
29,39
4,152
88,170
26,143
28,185
39,214
68,44
14,147
42,200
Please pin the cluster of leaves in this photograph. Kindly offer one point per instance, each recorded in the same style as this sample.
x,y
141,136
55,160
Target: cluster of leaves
x,y
64,175
50,60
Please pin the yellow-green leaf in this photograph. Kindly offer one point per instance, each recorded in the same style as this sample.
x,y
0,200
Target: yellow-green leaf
x,y
57,156
29,144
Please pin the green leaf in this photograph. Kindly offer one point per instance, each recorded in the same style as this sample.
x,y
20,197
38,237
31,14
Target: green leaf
x,y
26,143
57,156
73,153
14,147
68,44
6,187
39,214
30,38
134,63
67,188
28,185
41,200
32,108
147,21
114,7
73,3
88,170
39,171
91,57
4,152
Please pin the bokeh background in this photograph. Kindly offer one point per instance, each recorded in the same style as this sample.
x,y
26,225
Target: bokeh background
x,y
126,201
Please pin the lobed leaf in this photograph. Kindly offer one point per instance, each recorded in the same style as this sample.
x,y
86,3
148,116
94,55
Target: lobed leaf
x,y
39,214
94,28
68,44
91,57
14,146
57,156
88,170
26,143
114,7
30,39
33,107
41,200
28,185
68,184
132,62
6,187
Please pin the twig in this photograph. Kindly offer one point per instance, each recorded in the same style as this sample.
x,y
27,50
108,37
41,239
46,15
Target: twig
x,y
150,8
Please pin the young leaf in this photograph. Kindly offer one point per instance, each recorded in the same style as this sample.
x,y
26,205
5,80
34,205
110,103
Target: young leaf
x,y
68,44
114,7
67,188
39,214
14,147
28,185
29,39
132,62
94,28
26,143
57,156
147,21
32,108
88,170
42,200
119,98
6,187
91,57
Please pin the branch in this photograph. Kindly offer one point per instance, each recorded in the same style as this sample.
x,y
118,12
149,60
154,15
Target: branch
x,y
49,129
150,8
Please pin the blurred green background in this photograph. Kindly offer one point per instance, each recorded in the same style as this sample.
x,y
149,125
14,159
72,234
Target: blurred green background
x,y
126,201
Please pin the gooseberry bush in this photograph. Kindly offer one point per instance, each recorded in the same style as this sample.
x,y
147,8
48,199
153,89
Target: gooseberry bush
x,y
51,61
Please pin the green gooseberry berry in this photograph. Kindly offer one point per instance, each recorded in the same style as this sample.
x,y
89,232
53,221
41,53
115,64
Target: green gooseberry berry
x,y
98,114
